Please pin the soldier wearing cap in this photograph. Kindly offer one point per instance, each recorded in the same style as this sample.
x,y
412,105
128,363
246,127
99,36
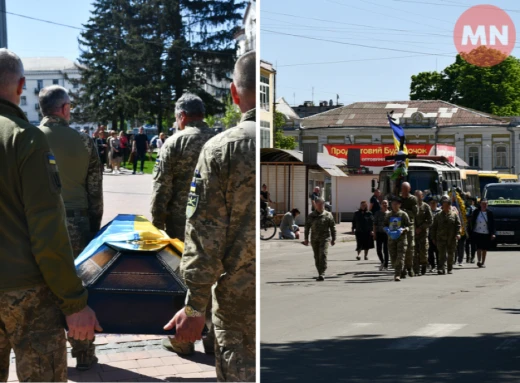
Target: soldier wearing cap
x,y
397,224
323,228
220,246
38,281
445,232
82,185
423,221
409,206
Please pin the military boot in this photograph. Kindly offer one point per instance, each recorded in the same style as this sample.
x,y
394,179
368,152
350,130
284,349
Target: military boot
x,y
85,359
403,274
208,342
180,348
411,273
423,269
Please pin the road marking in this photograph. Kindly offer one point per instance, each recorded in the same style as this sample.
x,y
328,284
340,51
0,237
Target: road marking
x,y
425,335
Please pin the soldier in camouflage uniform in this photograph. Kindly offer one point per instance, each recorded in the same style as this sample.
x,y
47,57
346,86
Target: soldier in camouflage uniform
x,y
38,281
82,185
409,206
323,227
220,245
445,232
423,221
397,221
172,176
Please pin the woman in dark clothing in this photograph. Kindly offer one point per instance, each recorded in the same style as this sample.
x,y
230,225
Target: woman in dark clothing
x,y
362,226
102,149
482,231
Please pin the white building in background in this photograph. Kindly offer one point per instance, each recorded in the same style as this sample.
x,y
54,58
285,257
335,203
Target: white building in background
x,y
246,37
41,72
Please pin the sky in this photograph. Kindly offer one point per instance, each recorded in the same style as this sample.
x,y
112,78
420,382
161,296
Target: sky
x,y
414,27
30,38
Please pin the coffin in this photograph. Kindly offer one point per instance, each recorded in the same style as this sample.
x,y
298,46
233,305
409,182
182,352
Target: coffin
x,y
131,271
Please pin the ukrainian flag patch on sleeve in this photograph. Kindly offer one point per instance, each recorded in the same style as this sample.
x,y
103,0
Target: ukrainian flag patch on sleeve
x,y
52,159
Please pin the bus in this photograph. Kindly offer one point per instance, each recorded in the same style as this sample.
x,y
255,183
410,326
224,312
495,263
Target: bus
x,y
494,177
470,182
433,173
504,201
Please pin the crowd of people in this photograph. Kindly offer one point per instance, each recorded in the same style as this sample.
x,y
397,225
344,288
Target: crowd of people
x,y
51,206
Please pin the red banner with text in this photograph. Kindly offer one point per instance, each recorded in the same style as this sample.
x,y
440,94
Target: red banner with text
x,y
374,155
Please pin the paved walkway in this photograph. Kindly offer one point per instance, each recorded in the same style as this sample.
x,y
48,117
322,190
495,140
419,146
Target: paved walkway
x,y
136,358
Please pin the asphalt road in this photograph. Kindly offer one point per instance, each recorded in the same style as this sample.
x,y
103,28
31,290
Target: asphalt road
x,y
361,326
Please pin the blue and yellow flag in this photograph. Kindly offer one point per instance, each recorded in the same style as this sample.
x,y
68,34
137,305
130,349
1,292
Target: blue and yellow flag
x,y
398,137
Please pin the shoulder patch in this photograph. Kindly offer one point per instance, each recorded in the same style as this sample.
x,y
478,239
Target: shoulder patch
x,y
194,195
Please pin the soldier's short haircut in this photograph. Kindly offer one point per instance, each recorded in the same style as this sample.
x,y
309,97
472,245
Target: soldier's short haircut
x,y
11,68
52,98
244,76
190,104
319,200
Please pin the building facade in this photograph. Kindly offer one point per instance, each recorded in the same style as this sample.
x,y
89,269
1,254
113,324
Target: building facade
x,y
484,141
267,103
246,36
41,72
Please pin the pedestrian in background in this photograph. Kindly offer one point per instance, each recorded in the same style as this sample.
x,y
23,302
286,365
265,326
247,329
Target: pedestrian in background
x,y
102,146
433,254
445,234
423,221
396,225
375,206
139,149
124,145
483,231
81,186
265,198
363,228
288,228
380,235
471,250
116,153
314,196
39,288
321,226
161,140
409,206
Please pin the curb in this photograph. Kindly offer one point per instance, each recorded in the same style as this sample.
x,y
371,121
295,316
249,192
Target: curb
x,y
274,243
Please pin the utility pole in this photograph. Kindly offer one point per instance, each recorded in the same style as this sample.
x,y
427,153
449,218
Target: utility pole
x,y
3,25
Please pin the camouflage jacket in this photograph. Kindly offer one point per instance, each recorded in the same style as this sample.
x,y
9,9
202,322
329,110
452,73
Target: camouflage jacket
x,y
394,220
446,226
220,245
172,175
322,226
424,218
409,206
34,242
79,165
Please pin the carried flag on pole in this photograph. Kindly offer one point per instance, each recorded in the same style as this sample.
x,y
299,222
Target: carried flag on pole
x,y
399,137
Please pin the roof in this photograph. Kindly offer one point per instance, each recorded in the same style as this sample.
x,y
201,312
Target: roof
x,y
47,64
328,163
461,163
373,114
283,107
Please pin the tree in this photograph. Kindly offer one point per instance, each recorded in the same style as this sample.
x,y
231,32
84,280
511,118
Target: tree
x,y
211,121
281,141
494,89
139,56
232,114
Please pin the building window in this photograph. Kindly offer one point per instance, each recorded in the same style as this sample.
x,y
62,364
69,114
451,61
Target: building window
x,y
40,84
23,100
500,157
55,82
25,84
75,85
265,134
264,92
473,157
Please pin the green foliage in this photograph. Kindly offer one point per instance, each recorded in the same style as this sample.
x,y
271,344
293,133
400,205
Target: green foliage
x,y
281,141
139,56
232,114
211,121
494,89
279,120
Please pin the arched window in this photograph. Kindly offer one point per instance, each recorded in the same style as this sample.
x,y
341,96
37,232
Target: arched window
x,y
474,157
500,157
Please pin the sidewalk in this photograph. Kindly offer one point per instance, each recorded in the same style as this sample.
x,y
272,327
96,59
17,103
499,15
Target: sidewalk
x,y
135,358
343,234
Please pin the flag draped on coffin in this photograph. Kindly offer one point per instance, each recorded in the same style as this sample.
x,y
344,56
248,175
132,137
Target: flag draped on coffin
x,y
399,138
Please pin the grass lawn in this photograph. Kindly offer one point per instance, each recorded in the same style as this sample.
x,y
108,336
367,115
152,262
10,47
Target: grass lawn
x,y
148,165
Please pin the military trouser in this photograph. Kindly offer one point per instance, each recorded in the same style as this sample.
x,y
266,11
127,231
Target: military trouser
x,y
320,249
460,248
446,251
410,250
433,254
235,356
32,324
421,252
186,348
78,226
397,249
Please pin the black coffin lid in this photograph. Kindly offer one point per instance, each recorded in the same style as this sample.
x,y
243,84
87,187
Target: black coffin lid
x,y
133,291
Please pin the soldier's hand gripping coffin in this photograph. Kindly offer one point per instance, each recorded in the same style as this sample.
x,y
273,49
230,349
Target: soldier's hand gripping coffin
x,y
131,271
